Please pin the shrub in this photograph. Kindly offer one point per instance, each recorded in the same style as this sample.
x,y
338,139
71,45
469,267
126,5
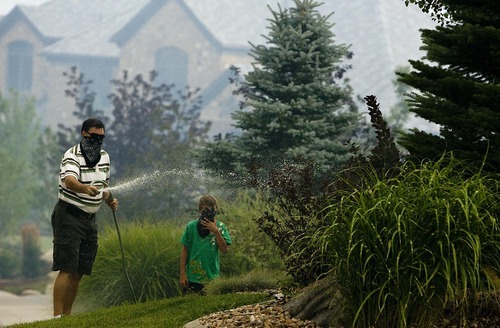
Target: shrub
x,y
251,248
407,246
9,262
253,281
298,199
32,263
152,262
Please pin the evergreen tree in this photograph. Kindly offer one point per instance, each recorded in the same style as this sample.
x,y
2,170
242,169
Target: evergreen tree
x,y
293,109
459,85
438,9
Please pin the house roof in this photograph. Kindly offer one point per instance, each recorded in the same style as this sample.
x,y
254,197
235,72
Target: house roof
x,y
16,15
93,38
104,25
65,18
234,22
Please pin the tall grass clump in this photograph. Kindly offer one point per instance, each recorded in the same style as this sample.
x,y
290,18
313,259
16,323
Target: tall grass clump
x,y
152,255
254,281
409,245
152,261
251,248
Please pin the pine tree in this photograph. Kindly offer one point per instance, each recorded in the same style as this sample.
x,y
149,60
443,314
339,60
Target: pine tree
x,y
293,108
459,85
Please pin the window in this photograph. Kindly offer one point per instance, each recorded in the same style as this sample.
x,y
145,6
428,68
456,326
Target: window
x,y
20,65
171,64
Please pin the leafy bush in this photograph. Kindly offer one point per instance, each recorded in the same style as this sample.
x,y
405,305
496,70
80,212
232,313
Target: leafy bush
x,y
409,245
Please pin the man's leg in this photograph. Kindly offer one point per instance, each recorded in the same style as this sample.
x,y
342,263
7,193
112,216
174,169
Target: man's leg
x,y
65,290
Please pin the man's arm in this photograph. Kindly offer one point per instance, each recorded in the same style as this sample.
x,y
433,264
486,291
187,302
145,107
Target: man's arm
x,y
73,184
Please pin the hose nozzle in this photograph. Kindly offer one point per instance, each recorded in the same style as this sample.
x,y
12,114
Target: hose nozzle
x,y
105,187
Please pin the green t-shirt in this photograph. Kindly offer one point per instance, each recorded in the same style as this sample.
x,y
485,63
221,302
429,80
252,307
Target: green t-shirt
x,y
203,260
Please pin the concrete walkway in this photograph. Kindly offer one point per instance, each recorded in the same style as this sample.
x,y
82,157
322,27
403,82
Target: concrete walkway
x,y
16,309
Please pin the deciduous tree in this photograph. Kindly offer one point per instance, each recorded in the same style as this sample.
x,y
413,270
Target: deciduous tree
x,y
25,173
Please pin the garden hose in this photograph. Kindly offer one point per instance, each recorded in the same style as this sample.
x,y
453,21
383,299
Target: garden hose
x,y
110,198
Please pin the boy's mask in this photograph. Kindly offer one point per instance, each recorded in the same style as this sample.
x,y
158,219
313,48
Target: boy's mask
x,y
209,214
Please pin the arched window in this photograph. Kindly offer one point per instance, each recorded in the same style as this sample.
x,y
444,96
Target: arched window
x,y
20,65
171,64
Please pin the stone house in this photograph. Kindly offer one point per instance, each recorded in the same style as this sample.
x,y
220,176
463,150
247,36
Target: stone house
x,y
188,42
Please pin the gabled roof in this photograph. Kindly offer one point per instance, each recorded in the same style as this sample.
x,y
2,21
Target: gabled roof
x,y
16,15
135,24
101,27
228,24
64,18
234,23
94,40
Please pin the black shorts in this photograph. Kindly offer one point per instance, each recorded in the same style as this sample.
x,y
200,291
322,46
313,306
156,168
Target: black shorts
x,y
75,239
194,287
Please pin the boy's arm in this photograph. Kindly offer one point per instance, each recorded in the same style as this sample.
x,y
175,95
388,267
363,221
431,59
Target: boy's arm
x,y
212,226
183,278
221,242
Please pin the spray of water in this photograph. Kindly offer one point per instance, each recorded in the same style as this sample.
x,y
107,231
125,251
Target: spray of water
x,y
168,193
164,180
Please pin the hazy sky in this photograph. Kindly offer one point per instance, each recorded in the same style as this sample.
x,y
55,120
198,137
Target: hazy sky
x,y
7,5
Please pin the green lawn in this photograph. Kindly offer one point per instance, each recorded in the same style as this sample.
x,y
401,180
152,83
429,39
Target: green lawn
x,y
173,312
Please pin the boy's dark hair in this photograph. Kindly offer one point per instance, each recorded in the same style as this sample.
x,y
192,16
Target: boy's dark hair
x,y
92,123
207,201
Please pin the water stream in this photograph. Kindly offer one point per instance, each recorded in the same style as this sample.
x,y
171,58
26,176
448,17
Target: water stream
x,y
188,179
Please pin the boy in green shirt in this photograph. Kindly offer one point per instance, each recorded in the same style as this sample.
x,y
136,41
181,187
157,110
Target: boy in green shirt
x,y
201,242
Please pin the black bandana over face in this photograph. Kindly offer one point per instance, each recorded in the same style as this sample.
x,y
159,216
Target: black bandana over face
x,y
209,214
91,151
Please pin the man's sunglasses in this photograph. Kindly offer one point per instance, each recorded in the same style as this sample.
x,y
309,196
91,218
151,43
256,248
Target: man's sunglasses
x,y
96,138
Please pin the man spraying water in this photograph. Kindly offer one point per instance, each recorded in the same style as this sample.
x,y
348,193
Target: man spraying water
x,y
74,216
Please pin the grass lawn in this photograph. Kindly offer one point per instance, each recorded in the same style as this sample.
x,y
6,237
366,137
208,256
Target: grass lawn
x,y
173,312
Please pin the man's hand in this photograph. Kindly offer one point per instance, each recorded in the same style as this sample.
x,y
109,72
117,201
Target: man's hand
x,y
73,184
110,201
92,191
